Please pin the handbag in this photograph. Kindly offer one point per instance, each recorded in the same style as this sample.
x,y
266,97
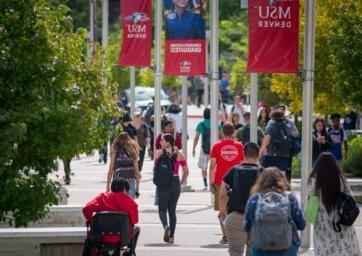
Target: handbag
x,y
311,213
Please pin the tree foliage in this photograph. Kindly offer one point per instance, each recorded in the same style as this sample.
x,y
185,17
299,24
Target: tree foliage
x,y
338,62
54,104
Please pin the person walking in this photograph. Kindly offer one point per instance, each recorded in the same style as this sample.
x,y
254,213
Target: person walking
x,y
235,117
322,142
277,144
143,137
263,118
339,137
203,129
169,129
271,208
124,163
243,133
326,181
238,108
127,126
169,193
234,194
224,155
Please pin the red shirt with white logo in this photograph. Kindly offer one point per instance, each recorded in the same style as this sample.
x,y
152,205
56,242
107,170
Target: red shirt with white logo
x,y
227,153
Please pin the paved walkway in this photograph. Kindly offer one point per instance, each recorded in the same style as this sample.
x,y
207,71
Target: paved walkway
x,y
197,231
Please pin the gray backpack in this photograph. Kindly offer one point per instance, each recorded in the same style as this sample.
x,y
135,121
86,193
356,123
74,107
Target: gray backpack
x,y
273,227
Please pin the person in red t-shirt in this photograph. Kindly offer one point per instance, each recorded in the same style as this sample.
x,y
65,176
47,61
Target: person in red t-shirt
x,y
224,155
170,130
117,201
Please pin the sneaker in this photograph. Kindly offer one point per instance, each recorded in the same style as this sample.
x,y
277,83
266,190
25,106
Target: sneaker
x,y
223,240
166,236
205,188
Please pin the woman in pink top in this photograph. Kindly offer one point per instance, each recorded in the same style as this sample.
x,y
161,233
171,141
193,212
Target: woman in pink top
x,y
168,196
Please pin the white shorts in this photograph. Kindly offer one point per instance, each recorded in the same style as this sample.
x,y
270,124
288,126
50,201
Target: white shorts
x,y
203,162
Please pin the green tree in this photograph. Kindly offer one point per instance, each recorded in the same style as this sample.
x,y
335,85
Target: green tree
x,y
54,104
338,62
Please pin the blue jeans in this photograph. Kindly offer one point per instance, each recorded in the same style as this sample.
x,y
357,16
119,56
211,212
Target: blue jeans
x,y
132,190
292,251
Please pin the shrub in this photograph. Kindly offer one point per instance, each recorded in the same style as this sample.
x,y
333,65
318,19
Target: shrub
x,y
353,165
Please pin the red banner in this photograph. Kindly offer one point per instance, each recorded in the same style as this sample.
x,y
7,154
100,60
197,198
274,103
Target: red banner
x,y
185,48
185,57
136,22
273,36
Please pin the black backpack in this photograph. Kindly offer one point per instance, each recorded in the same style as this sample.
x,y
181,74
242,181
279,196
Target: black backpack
x,y
206,138
124,166
163,170
281,141
244,179
347,211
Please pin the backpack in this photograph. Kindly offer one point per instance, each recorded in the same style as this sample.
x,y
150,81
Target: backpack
x,y
273,226
206,138
245,134
163,170
346,211
243,179
124,166
281,141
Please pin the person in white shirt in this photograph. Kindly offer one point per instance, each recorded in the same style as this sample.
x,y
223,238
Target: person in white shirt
x,y
238,108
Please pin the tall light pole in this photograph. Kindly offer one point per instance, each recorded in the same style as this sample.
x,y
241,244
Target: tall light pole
x,y
308,88
158,71
132,71
214,96
254,107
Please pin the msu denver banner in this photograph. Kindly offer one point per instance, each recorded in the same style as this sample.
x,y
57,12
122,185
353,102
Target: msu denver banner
x,y
273,36
136,23
185,52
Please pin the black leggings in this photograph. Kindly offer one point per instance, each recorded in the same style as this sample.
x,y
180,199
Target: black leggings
x,y
141,157
167,202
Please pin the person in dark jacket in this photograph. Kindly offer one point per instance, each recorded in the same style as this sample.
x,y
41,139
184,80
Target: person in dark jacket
x,y
322,142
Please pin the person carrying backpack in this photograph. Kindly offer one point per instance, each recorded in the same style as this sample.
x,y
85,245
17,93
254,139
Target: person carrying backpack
x,y
168,184
272,217
124,163
243,133
203,129
234,194
276,149
334,234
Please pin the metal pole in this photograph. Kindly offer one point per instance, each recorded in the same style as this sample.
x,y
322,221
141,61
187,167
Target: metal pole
x,y
206,90
158,71
184,114
132,72
105,14
214,69
91,30
206,78
254,107
308,87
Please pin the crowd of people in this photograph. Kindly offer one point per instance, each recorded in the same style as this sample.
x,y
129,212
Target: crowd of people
x,y
251,182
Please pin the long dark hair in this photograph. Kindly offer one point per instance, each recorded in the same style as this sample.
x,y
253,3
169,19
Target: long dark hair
x,y
171,139
320,120
328,177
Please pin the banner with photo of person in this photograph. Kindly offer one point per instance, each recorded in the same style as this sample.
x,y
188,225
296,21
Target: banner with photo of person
x,y
273,36
137,29
185,46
